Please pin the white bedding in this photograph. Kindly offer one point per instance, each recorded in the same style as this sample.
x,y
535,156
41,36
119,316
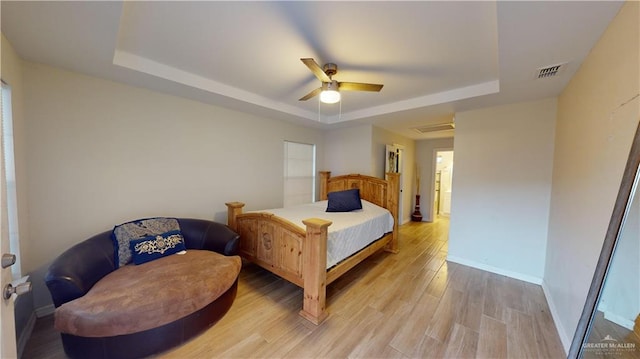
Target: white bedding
x,y
349,232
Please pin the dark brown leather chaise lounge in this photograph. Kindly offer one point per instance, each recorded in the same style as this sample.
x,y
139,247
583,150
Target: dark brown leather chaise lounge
x,y
139,310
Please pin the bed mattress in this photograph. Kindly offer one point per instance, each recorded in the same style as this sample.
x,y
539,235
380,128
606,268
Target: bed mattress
x,y
350,231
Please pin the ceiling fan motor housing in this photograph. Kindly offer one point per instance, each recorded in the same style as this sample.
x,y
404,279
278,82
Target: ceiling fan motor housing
x,y
330,69
330,86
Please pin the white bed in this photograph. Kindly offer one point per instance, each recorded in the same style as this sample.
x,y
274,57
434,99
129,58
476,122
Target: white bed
x,y
349,231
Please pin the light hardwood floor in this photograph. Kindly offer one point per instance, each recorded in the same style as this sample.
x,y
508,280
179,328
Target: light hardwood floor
x,y
408,305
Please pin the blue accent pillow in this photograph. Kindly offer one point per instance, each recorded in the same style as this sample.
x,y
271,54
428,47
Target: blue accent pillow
x,y
124,233
344,201
146,249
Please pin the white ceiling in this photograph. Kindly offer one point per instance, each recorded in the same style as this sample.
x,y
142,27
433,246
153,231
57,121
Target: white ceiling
x,y
434,58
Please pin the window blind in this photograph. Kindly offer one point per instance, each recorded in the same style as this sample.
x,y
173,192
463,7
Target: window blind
x,y
299,173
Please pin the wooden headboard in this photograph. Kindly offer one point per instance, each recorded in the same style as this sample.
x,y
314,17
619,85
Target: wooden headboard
x,y
383,193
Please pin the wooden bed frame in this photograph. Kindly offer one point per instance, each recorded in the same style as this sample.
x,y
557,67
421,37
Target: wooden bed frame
x,y
299,255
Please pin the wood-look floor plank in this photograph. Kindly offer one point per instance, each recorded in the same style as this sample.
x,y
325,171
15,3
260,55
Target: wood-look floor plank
x,y
463,343
347,340
492,340
45,342
378,340
337,337
413,304
387,353
415,326
473,299
429,348
436,260
296,334
446,315
494,305
547,341
520,335
439,283
411,293
514,297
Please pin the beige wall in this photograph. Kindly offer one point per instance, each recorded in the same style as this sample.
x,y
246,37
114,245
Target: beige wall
x,y
101,153
12,75
502,187
348,150
593,137
425,157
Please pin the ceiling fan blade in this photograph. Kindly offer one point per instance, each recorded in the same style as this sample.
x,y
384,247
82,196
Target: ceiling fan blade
x,y
316,69
311,94
356,86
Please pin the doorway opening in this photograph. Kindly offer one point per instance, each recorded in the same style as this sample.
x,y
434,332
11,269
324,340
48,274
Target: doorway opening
x,y
443,183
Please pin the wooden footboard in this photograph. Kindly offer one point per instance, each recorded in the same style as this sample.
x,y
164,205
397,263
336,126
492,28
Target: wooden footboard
x,y
300,255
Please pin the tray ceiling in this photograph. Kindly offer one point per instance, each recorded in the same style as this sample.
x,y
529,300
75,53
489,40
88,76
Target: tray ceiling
x,y
434,58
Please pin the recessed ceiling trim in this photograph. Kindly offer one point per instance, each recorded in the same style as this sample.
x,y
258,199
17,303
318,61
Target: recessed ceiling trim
x,y
485,88
154,68
436,127
144,65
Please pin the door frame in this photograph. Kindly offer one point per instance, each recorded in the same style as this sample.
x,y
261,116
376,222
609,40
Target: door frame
x,y
434,165
398,150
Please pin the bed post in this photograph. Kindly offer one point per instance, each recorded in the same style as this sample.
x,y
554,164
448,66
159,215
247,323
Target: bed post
x,y
324,184
233,210
393,191
315,270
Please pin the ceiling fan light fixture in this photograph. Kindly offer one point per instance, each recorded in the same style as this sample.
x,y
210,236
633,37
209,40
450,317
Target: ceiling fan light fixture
x,y
330,92
330,96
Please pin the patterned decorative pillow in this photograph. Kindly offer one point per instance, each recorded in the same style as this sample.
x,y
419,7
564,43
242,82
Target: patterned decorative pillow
x,y
344,201
126,232
153,247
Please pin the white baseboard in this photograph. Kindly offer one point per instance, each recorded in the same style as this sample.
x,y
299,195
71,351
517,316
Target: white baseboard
x,y
488,268
44,311
621,321
23,337
562,333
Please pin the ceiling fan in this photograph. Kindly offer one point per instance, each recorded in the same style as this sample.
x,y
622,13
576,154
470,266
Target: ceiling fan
x,y
330,89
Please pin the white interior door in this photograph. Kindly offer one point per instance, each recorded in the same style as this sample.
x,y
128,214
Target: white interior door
x,y
8,328
8,347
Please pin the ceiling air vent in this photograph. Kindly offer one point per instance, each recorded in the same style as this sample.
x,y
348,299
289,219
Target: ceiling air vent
x,y
549,71
435,127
